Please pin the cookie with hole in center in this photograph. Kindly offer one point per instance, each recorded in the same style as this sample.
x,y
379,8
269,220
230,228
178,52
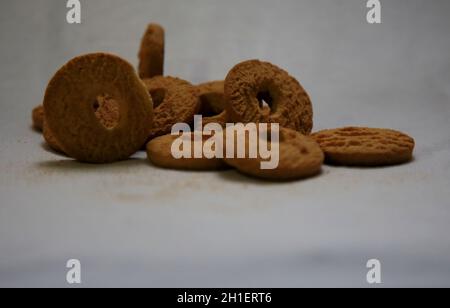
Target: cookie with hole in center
x,y
175,101
70,104
299,156
363,146
166,152
151,52
250,83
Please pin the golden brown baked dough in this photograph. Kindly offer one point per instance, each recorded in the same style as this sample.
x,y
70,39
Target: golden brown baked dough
x,y
363,146
160,154
70,104
106,111
212,102
176,101
250,82
37,116
151,52
299,157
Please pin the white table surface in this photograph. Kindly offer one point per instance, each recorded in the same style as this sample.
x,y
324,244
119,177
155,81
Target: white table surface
x,y
131,224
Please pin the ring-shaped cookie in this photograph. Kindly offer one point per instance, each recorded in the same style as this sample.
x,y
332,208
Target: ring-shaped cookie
x,y
70,101
251,81
176,101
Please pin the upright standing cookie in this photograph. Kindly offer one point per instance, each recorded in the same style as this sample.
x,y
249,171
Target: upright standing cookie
x,y
250,82
299,156
176,101
38,118
70,104
362,146
151,52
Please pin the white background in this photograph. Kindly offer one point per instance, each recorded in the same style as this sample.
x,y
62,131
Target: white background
x,y
131,224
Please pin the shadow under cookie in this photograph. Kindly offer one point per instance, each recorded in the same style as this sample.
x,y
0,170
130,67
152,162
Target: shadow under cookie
x,y
72,165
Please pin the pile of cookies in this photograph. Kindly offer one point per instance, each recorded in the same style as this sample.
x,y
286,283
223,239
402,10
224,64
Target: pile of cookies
x,y
97,109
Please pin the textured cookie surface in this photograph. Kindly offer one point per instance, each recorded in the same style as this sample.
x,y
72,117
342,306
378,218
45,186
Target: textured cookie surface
x,y
50,139
299,157
176,101
213,103
362,146
70,104
106,111
151,52
159,152
37,116
250,82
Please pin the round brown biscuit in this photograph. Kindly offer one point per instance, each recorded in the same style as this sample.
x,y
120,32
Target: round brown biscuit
x,y
106,111
176,101
363,146
70,101
159,152
299,156
37,116
212,102
251,82
151,52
